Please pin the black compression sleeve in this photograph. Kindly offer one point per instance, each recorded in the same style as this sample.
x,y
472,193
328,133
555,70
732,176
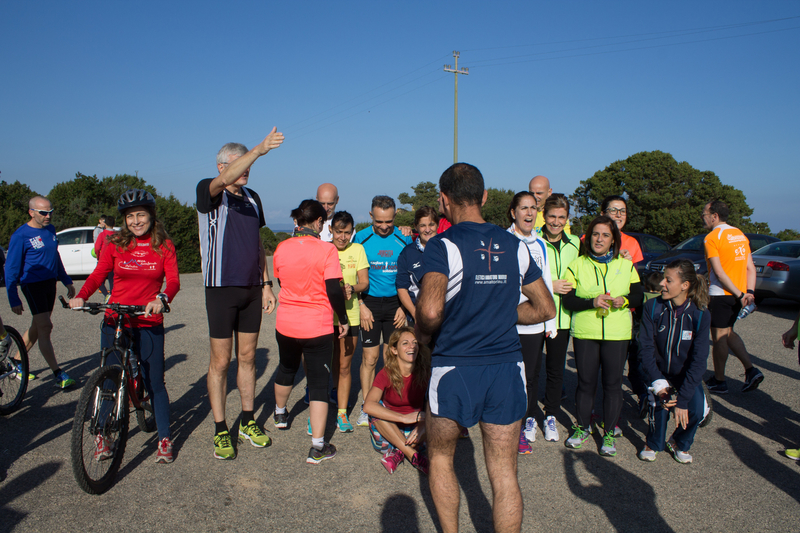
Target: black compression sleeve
x,y
575,304
336,297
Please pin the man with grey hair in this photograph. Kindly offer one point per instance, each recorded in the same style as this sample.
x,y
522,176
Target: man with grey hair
x,y
540,187
380,307
237,283
33,263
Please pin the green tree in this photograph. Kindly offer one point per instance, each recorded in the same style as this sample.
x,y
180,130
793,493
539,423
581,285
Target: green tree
x,y
425,193
665,197
404,218
78,202
13,208
788,235
495,210
180,221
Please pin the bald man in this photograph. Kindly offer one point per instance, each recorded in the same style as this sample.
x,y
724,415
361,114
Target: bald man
x,y
540,187
328,196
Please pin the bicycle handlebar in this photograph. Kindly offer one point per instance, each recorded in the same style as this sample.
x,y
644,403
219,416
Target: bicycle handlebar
x,y
95,308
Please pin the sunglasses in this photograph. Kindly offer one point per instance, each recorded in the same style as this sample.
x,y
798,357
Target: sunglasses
x,y
43,213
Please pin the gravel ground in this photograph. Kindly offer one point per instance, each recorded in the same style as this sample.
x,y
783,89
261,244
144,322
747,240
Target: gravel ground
x,y
739,479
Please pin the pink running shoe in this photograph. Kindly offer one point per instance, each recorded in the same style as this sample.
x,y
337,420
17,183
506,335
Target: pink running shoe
x,y
392,460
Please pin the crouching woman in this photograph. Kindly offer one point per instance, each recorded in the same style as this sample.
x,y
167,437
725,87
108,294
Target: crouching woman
x,y
674,344
396,402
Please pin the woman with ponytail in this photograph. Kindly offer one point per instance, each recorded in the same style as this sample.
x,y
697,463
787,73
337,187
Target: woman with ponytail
x,y
674,344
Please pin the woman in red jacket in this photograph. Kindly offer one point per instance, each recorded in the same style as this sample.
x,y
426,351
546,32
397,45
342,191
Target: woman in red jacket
x,y
142,257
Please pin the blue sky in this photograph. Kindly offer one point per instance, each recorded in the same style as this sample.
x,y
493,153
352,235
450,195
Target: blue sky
x,y
559,88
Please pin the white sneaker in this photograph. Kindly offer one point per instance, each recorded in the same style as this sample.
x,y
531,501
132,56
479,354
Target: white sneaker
x,y
550,429
530,429
363,418
681,457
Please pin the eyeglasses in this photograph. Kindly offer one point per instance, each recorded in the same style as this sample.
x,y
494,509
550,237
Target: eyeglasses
x,y
43,213
615,210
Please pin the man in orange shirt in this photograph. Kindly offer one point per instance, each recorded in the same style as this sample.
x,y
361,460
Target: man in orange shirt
x,y
732,280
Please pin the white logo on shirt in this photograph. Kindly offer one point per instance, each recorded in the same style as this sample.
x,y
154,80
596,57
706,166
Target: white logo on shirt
x,y
36,242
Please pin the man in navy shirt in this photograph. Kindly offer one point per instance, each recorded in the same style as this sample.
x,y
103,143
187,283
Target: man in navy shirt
x,y
237,284
380,308
34,264
474,273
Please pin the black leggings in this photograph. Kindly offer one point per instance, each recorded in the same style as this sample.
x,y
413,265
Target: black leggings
x,y
532,358
590,355
318,352
554,362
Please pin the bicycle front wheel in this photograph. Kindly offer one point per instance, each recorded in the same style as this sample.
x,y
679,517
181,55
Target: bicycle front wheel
x,y
13,374
100,430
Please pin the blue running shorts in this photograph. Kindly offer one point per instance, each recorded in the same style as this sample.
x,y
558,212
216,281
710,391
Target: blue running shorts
x,y
489,393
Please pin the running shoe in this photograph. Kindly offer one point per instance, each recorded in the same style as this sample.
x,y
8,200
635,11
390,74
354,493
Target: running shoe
x,y
316,456
31,377
579,436
254,434
718,387
420,462
5,344
309,426
752,379
524,447
102,449
63,380
609,448
392,460
597,423
530,429
223,446
464,433
363,418
793,454
647,454
681,457
550,429
344,423
281,420
164,454
305,398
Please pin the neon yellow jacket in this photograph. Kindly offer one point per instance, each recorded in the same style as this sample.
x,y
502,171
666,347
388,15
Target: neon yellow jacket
x,y
592,279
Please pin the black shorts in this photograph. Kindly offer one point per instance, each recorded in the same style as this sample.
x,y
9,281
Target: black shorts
x,y
232,309
383,310
352,332
41,296
724,310
318,352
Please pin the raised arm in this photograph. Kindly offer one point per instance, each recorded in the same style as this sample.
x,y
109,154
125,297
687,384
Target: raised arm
x,y
233,171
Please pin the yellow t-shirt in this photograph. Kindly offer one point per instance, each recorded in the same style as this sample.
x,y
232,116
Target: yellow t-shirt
x,y
353,258
540,222
733,249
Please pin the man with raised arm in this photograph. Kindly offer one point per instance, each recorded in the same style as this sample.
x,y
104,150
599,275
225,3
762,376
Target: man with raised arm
x,y
237,283
474,273
33,263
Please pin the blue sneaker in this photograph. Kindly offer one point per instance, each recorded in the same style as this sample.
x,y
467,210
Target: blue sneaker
x,y
309,426
64,381
31,377
344,423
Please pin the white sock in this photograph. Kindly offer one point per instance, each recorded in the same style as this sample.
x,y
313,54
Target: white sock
x,y
280,410
318,443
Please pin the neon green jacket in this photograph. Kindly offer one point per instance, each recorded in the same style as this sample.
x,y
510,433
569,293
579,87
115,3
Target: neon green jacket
x,y
592,279
559,260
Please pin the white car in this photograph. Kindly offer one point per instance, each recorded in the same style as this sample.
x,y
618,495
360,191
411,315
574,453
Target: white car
x,y
75,247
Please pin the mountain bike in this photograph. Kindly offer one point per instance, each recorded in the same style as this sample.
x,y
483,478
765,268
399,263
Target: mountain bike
x,y
100,426
13,374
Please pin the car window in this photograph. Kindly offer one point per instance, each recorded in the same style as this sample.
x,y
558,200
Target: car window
x,y
781,249
71,237
655,245
695,243
757,242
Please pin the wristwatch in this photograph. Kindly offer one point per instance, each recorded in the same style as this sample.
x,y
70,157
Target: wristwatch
x,y
164,300
266,282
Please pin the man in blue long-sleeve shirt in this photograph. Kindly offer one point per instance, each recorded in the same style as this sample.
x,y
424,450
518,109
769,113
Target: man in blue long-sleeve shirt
x,y
33,263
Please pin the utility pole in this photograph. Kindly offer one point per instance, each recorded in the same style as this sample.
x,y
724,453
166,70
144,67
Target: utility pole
x,y
456,71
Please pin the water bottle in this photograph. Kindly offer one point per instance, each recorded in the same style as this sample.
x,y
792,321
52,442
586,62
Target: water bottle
x,y
746,311
602,313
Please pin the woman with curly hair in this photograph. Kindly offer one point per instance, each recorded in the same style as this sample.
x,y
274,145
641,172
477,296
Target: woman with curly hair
x,y
396,402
